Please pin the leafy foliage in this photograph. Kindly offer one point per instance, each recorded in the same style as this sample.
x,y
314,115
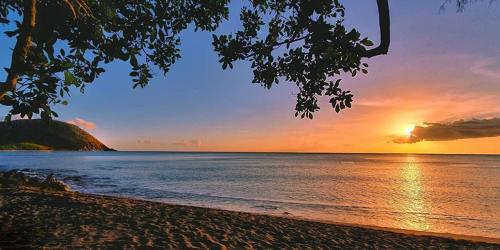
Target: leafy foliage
x,y
299,41
114,30
305,43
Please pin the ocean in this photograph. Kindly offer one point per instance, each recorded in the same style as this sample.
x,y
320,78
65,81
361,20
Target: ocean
x,y
457,194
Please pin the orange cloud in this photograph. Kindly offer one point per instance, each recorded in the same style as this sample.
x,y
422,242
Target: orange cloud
x,y
82,123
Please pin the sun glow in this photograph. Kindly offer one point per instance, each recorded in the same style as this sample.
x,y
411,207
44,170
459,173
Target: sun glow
x,y
408,130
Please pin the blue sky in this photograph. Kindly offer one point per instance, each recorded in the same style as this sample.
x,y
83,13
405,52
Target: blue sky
x,y
434,57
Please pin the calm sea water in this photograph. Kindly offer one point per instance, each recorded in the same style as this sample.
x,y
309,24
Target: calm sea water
x,y
457,194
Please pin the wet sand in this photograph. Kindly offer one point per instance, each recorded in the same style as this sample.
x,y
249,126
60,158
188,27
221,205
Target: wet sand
x,y
31,217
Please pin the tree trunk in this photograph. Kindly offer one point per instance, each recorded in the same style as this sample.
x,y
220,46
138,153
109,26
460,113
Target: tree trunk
x,y
385,30
21,49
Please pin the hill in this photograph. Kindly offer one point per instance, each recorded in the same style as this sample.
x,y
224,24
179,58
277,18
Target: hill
x,y
39,135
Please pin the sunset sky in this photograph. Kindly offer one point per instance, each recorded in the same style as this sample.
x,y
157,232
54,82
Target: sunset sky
x,y
442,67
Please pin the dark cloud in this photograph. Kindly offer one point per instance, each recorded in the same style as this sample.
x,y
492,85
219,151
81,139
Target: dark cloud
x,y
452,131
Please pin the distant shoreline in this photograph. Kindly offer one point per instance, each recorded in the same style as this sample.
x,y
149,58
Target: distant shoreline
x,y
37,218
37,134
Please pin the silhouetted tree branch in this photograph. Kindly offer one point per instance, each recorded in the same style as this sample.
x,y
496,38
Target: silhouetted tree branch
x,y
385,30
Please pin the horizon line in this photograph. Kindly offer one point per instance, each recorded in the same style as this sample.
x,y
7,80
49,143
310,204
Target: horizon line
x,y
295,152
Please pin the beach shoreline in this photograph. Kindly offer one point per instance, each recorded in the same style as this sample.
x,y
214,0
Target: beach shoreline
x,y
41,218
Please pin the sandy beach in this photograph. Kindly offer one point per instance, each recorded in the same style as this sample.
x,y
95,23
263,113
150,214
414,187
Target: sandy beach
x,y
36,218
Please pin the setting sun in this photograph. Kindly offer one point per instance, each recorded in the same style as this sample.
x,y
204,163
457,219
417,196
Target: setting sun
x,y
408,130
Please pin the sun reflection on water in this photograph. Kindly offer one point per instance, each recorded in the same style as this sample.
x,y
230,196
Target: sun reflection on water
x,y
412,202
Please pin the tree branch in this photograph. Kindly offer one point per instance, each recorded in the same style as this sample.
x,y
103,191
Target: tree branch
x,y
385,31
21,48
287,41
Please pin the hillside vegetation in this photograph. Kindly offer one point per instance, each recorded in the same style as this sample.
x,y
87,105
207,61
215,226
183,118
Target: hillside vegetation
x,y
40,135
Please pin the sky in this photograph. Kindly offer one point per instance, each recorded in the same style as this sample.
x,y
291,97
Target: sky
x,y
442,71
